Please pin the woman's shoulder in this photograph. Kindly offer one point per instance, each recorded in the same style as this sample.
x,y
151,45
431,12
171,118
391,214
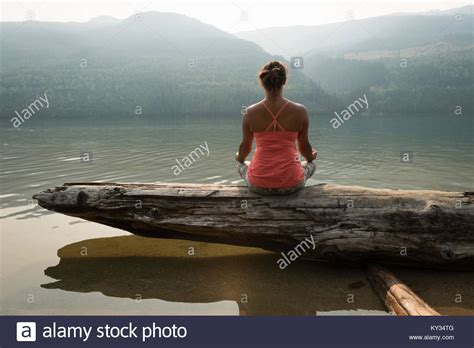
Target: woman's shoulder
x,y
297,106
254,114
253,107
297,110
291,104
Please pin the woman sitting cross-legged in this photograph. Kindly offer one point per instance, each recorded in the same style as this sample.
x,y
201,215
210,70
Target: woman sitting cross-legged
x,y
277,123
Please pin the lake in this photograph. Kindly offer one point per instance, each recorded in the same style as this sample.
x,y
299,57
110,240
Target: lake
x,y
45,271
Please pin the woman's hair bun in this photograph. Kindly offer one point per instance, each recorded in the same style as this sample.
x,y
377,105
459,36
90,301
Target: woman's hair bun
x,y
273,75
274,72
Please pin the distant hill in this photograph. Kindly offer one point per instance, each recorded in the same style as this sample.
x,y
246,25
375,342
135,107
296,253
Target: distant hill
x,y
171,66
376,33
405,63
465,10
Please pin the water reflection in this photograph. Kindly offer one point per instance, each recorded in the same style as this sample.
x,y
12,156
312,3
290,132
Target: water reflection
x,y
180,271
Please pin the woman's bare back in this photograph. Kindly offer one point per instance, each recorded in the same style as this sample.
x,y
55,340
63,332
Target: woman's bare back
x,y
290,118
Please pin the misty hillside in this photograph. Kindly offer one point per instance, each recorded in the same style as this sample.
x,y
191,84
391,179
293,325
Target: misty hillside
x,y
391,32
172,66
416,63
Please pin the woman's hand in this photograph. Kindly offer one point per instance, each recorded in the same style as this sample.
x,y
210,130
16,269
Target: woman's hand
x,y
238,159
314,153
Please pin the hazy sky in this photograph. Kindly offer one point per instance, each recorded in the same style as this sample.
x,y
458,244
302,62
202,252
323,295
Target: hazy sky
x,y
226,15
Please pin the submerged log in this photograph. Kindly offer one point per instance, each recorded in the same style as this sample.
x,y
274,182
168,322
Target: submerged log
x,y
334,223
398,297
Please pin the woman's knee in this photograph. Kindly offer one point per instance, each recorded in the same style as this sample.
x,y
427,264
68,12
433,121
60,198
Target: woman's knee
x,y
242,170
309,169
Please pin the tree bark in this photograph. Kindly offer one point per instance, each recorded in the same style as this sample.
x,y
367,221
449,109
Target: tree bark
x,y
344,224
398,298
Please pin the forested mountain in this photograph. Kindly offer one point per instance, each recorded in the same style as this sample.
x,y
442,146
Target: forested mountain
x,y
169,67
418,63
161,66
434,84
390,32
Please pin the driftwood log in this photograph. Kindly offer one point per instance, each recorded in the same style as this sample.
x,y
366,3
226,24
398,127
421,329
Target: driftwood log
x,y
343,224
398,297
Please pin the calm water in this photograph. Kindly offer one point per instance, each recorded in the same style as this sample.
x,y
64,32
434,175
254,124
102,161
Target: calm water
x,y
43,270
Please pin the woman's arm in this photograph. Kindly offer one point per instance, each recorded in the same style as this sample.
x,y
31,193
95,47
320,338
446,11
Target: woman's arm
x,y
303,142
247,140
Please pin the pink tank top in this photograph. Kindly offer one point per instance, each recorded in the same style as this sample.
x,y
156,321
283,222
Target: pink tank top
x,y
275,163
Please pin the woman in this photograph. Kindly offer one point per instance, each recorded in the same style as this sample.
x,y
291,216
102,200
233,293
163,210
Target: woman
x,y
276,123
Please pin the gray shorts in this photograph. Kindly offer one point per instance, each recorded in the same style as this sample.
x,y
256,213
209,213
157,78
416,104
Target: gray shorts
x,y
309,169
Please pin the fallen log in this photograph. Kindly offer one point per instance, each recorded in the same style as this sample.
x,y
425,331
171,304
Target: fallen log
x,y
398,297
328,222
